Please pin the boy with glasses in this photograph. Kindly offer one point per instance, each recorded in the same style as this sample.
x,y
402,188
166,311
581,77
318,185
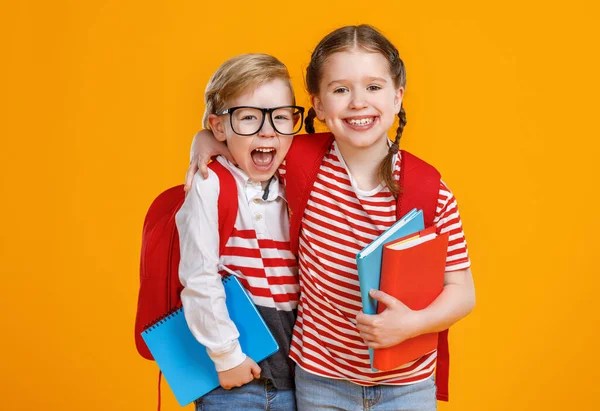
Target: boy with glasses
x,y
250,106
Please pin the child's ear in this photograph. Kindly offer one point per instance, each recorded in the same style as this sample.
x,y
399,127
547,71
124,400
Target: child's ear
x,y
398,99
318,106
217,127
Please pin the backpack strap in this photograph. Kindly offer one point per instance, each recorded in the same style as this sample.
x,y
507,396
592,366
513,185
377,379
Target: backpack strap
x,y
227,203
159,378
420,186
302,166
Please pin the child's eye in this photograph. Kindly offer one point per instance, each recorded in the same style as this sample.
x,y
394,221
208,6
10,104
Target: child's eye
x,y
281,117
248,117
373,87
340,90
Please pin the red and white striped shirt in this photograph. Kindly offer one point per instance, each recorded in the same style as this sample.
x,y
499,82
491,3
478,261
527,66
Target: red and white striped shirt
x,y
339,221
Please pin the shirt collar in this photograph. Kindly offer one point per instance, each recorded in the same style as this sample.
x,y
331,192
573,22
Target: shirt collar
x,y
253,189
396,160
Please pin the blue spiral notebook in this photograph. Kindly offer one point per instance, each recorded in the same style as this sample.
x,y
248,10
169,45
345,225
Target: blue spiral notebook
x,y
188,369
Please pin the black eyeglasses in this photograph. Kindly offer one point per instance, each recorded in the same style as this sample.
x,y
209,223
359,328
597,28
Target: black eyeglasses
x,y
247,120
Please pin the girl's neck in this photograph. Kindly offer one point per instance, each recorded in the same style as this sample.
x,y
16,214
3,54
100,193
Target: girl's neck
x,y
363,162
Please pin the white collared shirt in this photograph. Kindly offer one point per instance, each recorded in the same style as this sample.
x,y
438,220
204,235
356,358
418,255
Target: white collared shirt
x,y
257,252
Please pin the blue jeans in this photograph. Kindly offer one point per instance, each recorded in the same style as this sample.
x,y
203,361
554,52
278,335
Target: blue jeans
x,y
316,393
259,395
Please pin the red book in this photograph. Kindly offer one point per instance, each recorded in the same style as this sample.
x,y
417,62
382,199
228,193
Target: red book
x,y
412,271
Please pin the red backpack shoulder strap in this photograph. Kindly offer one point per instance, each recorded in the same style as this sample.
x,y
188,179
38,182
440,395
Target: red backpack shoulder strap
x,y
420,186
302,166
227,203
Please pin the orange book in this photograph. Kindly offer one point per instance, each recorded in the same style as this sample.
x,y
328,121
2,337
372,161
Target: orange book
x,y
412,271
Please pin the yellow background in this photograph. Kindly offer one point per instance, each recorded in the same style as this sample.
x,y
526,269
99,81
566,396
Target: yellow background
x,y
100,100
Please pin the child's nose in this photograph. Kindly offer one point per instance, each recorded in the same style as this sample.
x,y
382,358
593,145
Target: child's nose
x,y
358,100
267,129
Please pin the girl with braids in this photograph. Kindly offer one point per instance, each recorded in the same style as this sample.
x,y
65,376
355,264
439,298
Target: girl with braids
x,y
356,81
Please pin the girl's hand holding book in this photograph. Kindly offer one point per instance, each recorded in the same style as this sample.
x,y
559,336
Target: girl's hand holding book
x,y
394,325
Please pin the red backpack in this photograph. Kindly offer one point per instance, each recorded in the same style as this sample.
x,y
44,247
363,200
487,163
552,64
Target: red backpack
x,y
419,182
160,288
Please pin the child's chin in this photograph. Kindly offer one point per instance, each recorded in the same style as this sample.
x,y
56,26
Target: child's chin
x,y
257,174
263,177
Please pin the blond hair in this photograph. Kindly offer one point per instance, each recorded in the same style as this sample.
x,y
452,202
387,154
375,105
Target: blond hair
x,y
237,76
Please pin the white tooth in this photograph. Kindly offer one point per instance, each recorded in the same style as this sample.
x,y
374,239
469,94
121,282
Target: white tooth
x,y
361,122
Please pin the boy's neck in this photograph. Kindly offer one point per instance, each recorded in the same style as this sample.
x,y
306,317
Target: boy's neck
x,y
265,184
363,163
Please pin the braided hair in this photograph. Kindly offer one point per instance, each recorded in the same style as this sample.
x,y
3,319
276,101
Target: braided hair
x,y
309,121
385,168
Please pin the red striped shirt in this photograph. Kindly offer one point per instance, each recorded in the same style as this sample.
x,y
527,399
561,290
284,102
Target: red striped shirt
x,y
338,222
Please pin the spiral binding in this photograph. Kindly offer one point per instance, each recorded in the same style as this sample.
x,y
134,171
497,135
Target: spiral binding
x,y
175,311
163,318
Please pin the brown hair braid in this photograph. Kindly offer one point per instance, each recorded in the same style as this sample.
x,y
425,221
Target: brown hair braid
x,y
309,121
386,173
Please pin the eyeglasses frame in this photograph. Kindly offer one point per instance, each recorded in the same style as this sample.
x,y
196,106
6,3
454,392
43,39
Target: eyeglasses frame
x,y
264,111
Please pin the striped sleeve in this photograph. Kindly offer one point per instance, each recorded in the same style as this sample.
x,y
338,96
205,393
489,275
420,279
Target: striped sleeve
x,y
447,220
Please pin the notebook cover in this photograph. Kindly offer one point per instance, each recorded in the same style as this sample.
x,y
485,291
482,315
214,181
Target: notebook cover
x,y
368,260
414,276
184,362
369,263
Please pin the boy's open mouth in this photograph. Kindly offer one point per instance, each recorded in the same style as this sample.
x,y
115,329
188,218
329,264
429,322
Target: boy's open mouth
x,y
263,157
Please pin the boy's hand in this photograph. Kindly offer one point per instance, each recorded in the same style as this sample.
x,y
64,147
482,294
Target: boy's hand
x,y
204,146
240,375
395,324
